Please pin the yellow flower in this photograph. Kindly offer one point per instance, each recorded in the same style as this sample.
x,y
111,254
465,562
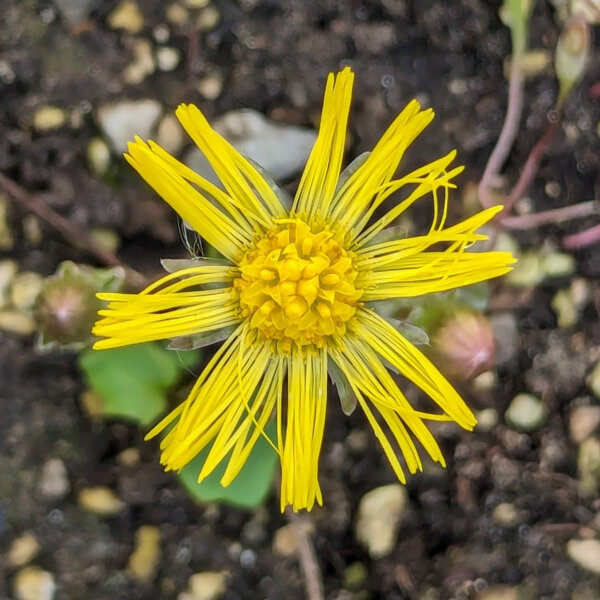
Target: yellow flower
x,y
298,292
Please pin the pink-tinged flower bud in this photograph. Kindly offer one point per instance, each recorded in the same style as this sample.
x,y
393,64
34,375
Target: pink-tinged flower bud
x,y
463,344
65,309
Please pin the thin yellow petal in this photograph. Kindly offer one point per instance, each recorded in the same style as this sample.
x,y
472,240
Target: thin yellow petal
x,y
240,178
301,446
169,308
413,364
363,191
319,180
211,223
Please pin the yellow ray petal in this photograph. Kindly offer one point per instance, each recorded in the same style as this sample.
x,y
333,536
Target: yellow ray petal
x,y
319,180
427,180
240,178
218,228
364,190
169,308
413,364
301,446
370,379
406,268
221,407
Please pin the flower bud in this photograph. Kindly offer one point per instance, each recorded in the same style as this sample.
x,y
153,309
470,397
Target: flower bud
x,y
463,344
66,308
572,51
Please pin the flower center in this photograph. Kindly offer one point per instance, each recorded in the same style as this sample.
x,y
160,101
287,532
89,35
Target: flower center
x,y
297,286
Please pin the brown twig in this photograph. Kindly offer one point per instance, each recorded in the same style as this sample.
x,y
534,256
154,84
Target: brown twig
x,y
307,557
76,236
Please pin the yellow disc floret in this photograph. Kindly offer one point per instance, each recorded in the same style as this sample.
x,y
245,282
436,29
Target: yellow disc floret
x,y
297,286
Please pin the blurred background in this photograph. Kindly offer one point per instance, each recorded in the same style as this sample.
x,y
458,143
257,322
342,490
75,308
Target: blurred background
x,y
86,511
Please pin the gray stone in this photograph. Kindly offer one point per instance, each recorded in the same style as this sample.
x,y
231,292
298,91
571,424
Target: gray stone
x,y
122,121
208,585
526,413
583,421
281,150
585,553
33,583
54,482
380,513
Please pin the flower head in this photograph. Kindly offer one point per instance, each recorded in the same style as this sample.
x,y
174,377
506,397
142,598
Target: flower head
x,y
297,290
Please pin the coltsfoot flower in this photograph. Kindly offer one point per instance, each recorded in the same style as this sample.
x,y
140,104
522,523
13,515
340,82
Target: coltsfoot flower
x,y
297,291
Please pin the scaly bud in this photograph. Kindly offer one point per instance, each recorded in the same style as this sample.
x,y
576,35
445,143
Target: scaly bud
x,y
463,344
572,52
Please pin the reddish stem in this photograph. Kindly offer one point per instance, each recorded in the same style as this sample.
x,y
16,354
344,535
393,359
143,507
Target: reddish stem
x,y
574,211
583,239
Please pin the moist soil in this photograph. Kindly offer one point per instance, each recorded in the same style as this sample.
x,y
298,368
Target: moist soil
x,y
273,56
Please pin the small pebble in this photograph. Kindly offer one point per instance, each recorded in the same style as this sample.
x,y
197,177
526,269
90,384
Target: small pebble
x,y
16,322
486,381
584,420
528,270
25,289
487,419
98,156
100,500
506,515
355,576
208,585
167,58
585,553
49,118
211,86
142,64
208,19
588,467
33,583
285,541
121,121
177,14
54,482
144,560
526,413
127,16
380,513
565,309
92,404
557,264
23,550
130,457
108,239
500,592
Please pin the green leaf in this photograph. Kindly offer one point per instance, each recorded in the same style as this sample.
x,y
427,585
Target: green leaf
x,y
248,490
133,382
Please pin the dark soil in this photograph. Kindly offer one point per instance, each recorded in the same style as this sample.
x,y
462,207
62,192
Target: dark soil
x,y
274,57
